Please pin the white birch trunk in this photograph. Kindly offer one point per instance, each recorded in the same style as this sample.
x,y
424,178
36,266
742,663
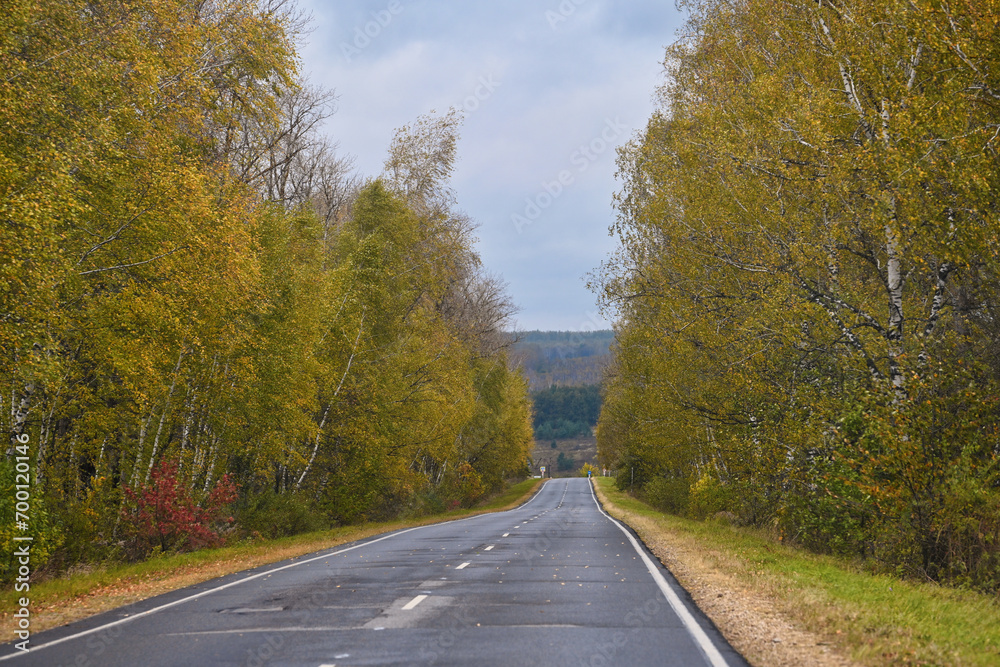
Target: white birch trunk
x,y
312,457
209,476
937,304
322,423
19,411
186,427
137,467
894,287
894,264
163,416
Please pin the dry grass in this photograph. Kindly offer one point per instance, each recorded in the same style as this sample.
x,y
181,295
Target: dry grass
x,y
581,450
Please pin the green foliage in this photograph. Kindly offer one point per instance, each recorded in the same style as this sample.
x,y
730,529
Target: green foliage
x,y
707,496
46,535
834,517
272,515
566,412
571,404
807,281
562,429
669,495
187,274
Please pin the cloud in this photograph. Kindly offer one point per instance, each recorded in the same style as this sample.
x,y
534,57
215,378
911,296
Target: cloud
x,y
553,87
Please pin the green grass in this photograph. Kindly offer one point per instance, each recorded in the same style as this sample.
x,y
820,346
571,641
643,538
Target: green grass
x,y
513,496
73,596
881,620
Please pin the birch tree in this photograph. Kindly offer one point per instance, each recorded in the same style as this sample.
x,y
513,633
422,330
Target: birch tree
x,y
803,226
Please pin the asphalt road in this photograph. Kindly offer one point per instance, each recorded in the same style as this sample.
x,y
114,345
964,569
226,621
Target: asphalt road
x,y
553,582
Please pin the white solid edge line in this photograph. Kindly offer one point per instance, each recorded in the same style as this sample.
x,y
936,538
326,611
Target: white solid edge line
x,y
154,610
701,639
532,498
414,602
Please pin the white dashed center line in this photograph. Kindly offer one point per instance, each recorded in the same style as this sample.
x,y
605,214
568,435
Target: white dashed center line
x,y
488,548
462,566
414,602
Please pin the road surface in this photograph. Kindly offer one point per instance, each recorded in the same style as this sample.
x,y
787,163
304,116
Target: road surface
x,y
553,582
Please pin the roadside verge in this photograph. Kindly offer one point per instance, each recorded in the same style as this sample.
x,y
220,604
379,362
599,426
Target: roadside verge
x,y
79,595
778,605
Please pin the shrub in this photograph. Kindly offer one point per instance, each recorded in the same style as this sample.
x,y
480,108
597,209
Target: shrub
x,y
471,487
669,495
45,533
163,515
273,515
708,497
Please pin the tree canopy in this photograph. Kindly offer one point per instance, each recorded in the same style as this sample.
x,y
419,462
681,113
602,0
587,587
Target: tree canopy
x,y
199,296
806,283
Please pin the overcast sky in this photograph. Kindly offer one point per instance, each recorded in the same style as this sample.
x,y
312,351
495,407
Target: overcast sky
x,y
549,89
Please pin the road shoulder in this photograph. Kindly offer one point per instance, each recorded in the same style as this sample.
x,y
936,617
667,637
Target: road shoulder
x,y
757,624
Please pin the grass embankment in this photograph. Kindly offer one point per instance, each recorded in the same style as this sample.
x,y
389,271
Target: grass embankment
x,y
781,605
69,598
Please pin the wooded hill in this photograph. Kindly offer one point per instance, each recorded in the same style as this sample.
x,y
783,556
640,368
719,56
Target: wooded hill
x,y
566,412
563,358
205,316
565,369
807,282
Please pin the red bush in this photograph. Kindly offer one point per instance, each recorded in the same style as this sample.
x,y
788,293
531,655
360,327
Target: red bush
x,y
164,514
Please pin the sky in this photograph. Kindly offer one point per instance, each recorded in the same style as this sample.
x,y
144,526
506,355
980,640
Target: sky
x,y
549,89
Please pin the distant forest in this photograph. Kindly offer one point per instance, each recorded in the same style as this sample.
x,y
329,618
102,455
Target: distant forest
x,y
566,412
563,358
